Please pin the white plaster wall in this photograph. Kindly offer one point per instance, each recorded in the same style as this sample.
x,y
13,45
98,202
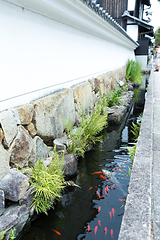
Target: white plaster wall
x,y
142,59
132,31
131,5
39,53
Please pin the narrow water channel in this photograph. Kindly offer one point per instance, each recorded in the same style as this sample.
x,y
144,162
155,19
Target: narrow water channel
x,y
81,213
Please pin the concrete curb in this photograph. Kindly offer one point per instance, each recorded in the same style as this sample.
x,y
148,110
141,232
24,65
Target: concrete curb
x,y
136,222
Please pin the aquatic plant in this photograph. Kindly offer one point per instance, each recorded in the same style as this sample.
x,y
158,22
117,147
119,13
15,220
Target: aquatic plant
x,y
134,71
47,182
86,134
132,152
111,99
135,128
12,236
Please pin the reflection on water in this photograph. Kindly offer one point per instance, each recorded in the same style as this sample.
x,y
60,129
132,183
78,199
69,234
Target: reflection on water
x,y
78,208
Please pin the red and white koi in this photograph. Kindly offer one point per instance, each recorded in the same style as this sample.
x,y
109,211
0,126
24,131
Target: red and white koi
x,y
117,169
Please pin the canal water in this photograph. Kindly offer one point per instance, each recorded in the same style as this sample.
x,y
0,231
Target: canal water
x,y
95,210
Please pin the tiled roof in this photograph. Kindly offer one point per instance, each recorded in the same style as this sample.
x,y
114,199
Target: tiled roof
x,y
103,14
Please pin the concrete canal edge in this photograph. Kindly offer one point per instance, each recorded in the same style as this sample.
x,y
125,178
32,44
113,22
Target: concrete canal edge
x,y
137,219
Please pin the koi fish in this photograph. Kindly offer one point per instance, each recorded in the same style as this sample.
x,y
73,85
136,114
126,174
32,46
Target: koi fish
x,y
114,179
88,227
117,168
122,200
112,233
105,230
96,172
100,197
113,211
123,162
106,190
99,222
110,214
99,209
112,186
56,231
90,188
95,230
103,177
98,193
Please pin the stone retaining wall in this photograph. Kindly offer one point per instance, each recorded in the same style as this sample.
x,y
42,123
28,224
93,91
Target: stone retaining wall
x,y
27,133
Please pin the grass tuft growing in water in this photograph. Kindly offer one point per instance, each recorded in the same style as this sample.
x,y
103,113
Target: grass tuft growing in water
x,y
86,134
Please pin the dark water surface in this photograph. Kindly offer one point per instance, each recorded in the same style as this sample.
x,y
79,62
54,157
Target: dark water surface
x,y
78,207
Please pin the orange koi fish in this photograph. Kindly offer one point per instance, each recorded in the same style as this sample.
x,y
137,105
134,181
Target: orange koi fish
x,y
56,232
113,212
89,229
112,186
100,197
98,193
110,214
123,162
106,190
122,200
90,188
105,230
96,173
103,177
95,230
99,222
99,209
112,233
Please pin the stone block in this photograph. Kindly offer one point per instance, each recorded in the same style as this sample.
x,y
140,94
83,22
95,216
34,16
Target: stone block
x,y
23,216
20,149
83,96
70,165
58,142
27,199
14,217
14,184
23,114
31,129
2,202
4,161
49,112
39,151
9,127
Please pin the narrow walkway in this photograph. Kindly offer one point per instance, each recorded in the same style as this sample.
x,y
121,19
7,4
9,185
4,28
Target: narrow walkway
x,y
141,220
156,157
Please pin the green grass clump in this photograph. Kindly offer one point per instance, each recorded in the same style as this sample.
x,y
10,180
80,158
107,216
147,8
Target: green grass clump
x,y
82,138
113,98
47,183
134,71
